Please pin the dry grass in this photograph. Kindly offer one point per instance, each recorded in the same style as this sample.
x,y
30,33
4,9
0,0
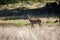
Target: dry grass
x,y
43,32
27,33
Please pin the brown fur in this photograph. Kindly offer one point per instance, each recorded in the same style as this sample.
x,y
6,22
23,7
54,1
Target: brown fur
x,y
34,21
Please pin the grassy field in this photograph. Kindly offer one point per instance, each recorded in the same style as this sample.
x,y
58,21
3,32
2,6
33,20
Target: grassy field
x,y
25,22
27,33
21,30
13,22
48,31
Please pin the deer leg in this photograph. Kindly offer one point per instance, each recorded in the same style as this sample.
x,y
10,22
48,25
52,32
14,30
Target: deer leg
x,y
39,24
32,25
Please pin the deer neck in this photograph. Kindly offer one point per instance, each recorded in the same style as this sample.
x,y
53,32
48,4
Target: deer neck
x,y
29,17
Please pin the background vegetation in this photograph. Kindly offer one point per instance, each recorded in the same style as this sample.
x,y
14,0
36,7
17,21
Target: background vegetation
x,y
21,1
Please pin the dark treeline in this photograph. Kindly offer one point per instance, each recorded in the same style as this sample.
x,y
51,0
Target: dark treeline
x,y
50,10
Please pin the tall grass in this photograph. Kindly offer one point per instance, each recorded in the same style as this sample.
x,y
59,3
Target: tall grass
x,y
27,33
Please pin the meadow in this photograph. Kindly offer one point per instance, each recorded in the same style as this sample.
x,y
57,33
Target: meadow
x,y
21,29
24,22
28,33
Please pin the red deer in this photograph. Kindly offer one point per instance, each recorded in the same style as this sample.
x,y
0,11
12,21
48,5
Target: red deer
x,y
34,21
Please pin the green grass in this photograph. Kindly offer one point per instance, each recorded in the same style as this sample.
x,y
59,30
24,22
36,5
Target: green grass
x,y
22,22
14,22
